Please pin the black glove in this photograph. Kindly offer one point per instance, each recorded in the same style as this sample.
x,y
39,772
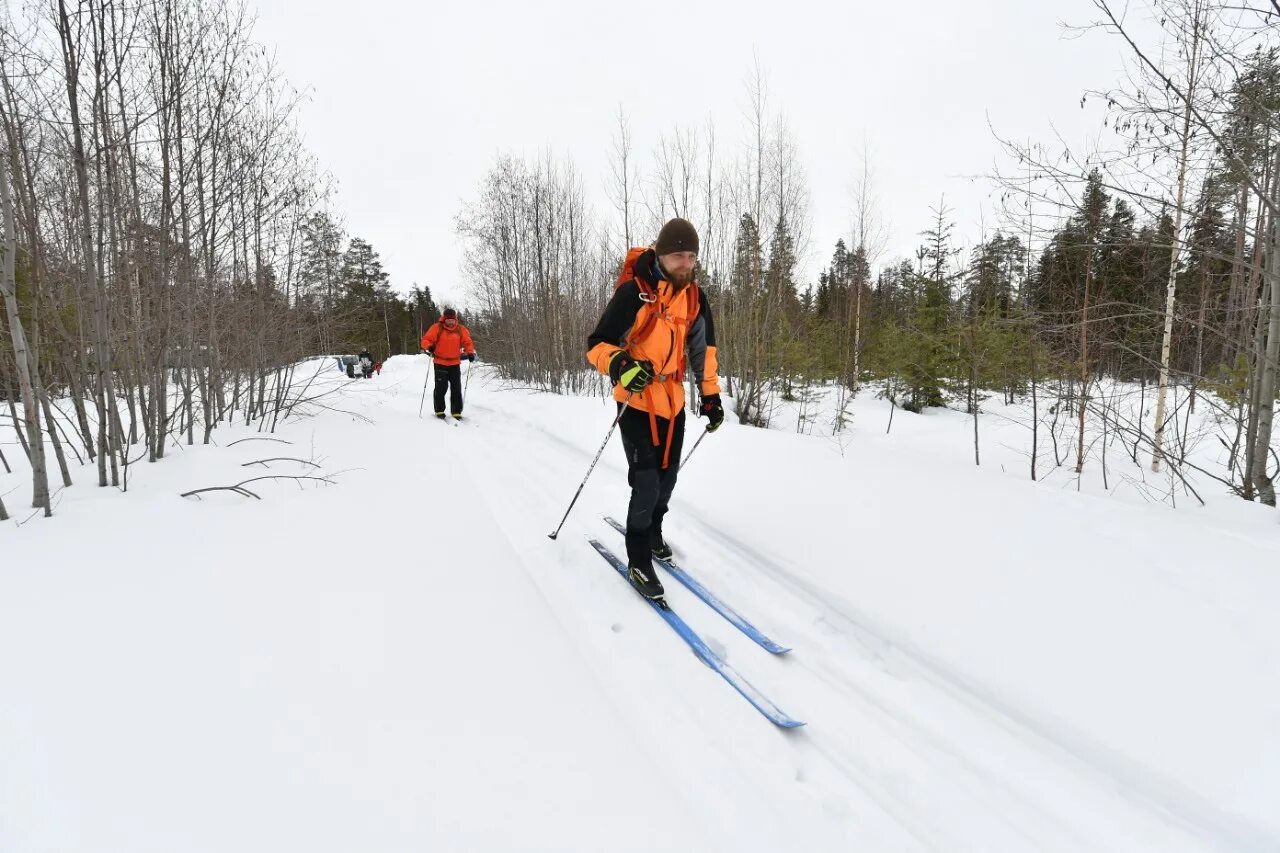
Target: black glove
x,y
471,356
633,375
431,351
713,410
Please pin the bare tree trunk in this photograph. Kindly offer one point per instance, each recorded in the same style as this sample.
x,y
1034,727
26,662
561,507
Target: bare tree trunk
x,y
857,335
1267,390
102,347
1199,368
1171,288
51,426
1257,362
1105,406
1142,414
624,182
1035,412
21,356
893,405
1053,428
973,404
1237,299
18,429
1084,357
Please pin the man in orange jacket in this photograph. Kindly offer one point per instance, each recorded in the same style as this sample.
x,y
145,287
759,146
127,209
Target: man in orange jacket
x,y
640,343
448,342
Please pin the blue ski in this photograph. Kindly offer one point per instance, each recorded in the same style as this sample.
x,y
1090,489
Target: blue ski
x,y
692,584
705,654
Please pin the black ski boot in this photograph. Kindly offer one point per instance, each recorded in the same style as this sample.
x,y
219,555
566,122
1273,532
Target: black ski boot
x,y
646,582
659,547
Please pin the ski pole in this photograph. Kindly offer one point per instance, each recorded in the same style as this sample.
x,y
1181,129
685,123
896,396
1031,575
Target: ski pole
x,y
691,452
608,435
425,380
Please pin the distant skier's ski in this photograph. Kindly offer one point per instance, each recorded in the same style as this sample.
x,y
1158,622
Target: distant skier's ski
x,y
692,584
704,652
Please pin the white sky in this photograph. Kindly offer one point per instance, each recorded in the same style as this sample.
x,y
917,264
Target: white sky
x,y
411,102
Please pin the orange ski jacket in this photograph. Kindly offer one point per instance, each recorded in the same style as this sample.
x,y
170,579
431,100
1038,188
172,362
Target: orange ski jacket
x,y
660,332
448,345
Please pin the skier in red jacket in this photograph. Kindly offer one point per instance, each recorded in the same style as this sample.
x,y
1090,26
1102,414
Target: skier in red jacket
x,y
448,342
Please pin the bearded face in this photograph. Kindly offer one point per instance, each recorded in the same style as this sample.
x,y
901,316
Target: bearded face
x,y
680,279
679,267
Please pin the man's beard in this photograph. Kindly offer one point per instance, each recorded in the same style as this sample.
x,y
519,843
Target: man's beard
x,y
679,280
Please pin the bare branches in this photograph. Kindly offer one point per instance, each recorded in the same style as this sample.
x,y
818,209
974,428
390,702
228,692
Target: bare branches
x,y
1186,95
539,264
160,194
239,488
259,438
623,184
263,462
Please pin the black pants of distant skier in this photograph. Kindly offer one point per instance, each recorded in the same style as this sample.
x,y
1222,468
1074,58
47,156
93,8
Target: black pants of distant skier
x,y
651,485
367,371
449,378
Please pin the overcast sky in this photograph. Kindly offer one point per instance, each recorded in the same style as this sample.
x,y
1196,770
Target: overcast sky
x,y
410,103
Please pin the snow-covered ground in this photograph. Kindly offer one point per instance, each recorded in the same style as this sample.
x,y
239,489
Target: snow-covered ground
x,y
404,661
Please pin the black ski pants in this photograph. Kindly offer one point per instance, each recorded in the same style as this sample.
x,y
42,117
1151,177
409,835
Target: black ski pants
x,y
651,484
449,378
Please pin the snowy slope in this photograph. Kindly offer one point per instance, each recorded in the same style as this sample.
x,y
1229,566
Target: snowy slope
x,y
404,661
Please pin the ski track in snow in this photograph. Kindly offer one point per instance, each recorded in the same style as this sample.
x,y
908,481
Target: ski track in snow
x,y
1073,753
996,797
904,749
1012,811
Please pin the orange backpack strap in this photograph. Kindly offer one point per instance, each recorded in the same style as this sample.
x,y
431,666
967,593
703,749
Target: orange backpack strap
x,y
695,303
648,296
649,310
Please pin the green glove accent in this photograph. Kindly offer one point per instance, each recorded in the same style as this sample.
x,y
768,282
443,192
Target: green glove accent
x,y
633,375
714,411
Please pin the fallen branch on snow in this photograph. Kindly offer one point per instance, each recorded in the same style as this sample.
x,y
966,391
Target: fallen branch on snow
x,y
263,462
239,488
256,438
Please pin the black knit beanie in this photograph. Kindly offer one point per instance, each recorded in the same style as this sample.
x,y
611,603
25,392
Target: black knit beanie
x,y
678,235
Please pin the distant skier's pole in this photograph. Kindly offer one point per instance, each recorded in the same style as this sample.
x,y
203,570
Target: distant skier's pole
x,y
607,436
695,447
423,402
